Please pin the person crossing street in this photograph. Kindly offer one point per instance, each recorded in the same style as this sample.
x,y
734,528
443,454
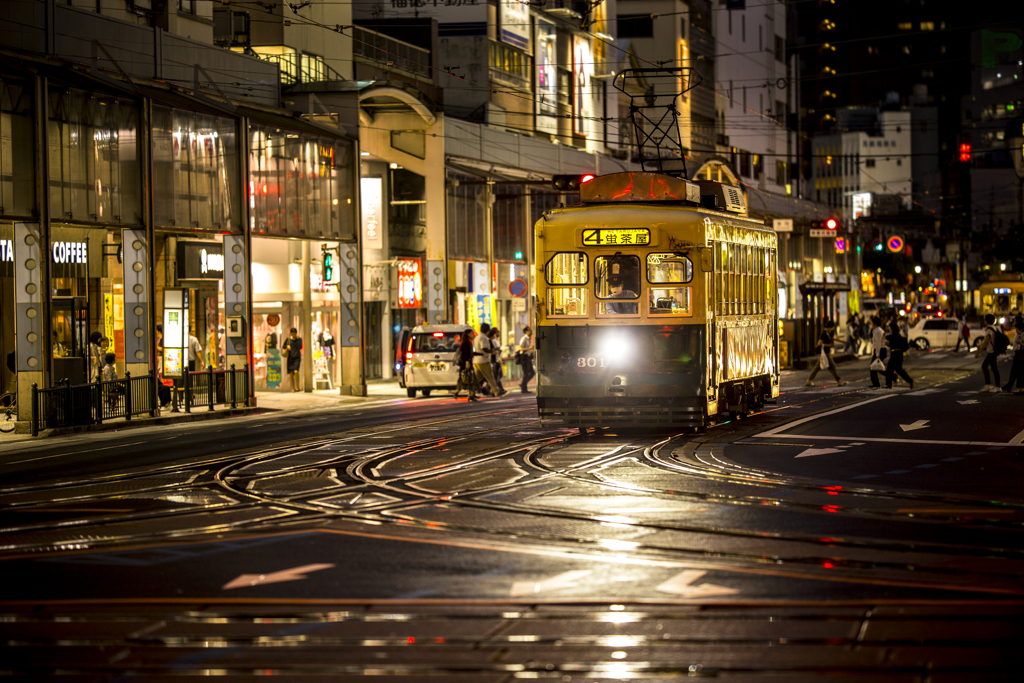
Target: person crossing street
x,y
526,351
826,344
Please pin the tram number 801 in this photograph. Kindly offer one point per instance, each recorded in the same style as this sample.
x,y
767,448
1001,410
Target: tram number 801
x,y
591,362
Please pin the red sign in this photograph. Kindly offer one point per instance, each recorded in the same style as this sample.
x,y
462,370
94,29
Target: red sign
x,y
410,283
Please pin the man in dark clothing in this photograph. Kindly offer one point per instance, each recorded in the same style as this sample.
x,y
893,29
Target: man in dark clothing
x,y
987,346
826,342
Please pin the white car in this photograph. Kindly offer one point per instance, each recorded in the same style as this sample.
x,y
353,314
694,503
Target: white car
x,y
430,358
935,333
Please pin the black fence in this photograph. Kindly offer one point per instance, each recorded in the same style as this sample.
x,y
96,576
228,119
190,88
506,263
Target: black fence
x,y
208,388
69,406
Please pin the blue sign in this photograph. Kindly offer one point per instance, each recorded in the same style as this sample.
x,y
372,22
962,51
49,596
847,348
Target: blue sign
x,y
895,244
517,288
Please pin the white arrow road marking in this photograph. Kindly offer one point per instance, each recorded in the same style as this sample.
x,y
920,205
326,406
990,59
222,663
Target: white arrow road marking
x,y
920,424
293,574
968,402
564,580
681,584
819,451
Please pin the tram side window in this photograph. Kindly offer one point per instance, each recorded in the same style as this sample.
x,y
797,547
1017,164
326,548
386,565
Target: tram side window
x,y
663,269
617,277
567,268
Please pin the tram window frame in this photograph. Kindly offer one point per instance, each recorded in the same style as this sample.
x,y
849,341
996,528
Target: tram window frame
x,y
573,294
685,257
585,268
602,281
684,295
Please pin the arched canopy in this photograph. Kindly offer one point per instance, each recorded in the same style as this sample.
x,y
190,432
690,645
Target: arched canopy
x,y
718,170
389,95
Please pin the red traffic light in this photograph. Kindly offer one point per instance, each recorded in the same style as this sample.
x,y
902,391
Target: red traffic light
x,y
831,224
586,178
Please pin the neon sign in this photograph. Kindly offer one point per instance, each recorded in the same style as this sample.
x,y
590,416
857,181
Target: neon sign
x,y
410,283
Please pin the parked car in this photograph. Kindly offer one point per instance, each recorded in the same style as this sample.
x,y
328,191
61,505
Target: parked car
x,y
430,362
934,333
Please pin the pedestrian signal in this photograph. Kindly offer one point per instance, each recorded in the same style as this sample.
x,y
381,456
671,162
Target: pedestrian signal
x,y
328,261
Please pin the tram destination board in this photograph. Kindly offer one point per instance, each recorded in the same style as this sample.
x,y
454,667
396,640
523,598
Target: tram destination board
x,y
599,237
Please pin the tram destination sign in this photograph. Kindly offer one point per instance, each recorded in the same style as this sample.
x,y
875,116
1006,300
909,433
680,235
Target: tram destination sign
x,y
630,237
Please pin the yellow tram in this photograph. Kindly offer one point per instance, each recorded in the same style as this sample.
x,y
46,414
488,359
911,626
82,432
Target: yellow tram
x,y
653,310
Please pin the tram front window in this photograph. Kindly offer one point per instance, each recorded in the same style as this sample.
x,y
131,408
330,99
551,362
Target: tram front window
x,y
567,268
665,269
617,277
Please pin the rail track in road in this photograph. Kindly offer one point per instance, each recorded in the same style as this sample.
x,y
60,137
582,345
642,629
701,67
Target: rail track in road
x,y
495,477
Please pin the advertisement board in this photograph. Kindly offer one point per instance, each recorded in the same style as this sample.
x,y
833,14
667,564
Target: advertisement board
x,y
514,16
547,79
410,283
582,97
371,194
464,13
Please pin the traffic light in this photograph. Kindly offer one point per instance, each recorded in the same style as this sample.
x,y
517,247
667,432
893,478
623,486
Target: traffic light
x,y
570,182
328,261
826,224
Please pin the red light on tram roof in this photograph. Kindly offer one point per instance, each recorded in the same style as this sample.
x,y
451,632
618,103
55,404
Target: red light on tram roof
x,y
831,223
586,178
439,334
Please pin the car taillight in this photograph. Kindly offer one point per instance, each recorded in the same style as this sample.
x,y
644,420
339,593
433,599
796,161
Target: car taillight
x,y
408,356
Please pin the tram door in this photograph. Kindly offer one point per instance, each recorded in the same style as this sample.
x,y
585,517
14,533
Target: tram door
x,y
70,325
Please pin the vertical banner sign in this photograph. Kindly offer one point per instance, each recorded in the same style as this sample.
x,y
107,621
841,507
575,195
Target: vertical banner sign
x,y
436,292
410,283
235,295
582,98
371,192
108,322
28,288
348,292
547,79
274,375
136,296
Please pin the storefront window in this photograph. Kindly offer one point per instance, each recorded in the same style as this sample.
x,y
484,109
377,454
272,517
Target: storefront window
x,y
94,164
300,185
17,161
195,171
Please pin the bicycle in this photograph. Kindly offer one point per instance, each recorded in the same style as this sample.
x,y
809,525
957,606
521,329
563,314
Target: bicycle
x,y
8,412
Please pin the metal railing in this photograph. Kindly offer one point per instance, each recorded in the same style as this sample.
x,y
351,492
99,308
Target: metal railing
x,y
71,406
390,52
208,388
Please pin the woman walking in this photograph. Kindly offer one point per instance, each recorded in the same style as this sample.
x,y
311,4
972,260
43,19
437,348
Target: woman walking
x,y
898,345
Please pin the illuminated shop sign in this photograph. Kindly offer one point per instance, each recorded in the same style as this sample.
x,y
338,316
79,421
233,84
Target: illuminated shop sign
x,y
410,283
6,251
70,252
371,191
200,260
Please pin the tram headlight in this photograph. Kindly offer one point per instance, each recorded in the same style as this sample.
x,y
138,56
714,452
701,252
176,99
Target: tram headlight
x,y
616,348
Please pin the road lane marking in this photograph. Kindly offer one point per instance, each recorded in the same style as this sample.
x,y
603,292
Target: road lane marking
x,y
882,440
91,450
563,580
789,425
968,402
819,451
682,584
925,392
1017,440
293,574
919,424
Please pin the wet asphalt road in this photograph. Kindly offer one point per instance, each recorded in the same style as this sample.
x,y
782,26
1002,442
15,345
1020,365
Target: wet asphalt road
x,y
838,503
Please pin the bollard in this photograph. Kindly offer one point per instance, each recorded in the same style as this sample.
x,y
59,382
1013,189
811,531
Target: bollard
x,y
234,387
35,409
128,396
188,392
209,384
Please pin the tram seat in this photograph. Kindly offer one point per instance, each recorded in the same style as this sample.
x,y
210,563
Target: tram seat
x,y
665,302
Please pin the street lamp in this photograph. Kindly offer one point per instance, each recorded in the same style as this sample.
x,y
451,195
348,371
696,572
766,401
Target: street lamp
x,y
917,269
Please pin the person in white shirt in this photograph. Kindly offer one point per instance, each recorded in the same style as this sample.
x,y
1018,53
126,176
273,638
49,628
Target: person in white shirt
x,y
877,343
195,354
483,350
526,352
987,346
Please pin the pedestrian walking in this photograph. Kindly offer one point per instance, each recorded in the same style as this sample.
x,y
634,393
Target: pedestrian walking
x,y
1017,369
851,334
987,346
293,351
826,343
964,335
526,351
497,367
879,351
898,345
195,353
464,359
482,362
95,357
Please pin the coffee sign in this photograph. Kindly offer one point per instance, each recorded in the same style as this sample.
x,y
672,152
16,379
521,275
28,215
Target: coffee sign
x,y
200,260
